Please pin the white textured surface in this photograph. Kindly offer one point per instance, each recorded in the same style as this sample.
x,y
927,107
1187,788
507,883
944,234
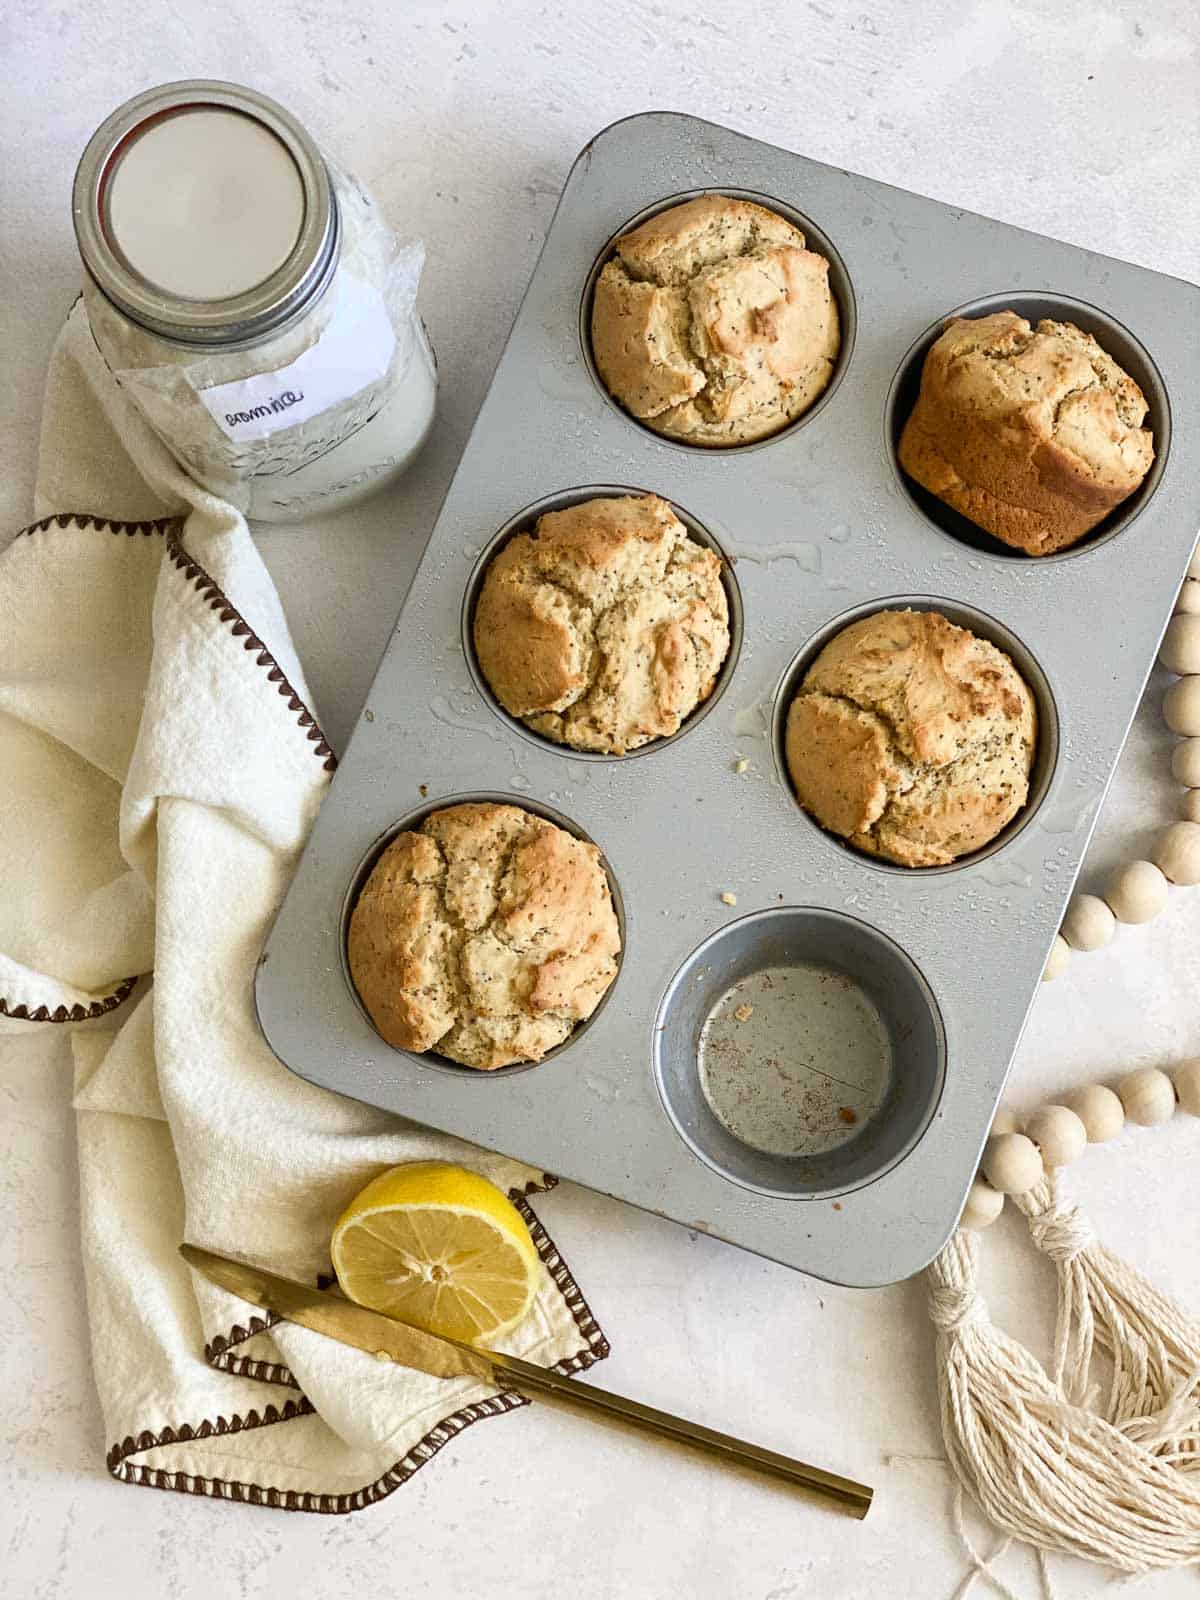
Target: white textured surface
x,y
1078,120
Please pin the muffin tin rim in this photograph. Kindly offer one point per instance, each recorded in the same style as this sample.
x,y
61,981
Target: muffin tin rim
x,y
1122,516
412,820
1046,757
523,522
841,287
922,985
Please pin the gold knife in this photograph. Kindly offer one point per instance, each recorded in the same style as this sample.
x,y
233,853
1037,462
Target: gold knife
x,y
328,1311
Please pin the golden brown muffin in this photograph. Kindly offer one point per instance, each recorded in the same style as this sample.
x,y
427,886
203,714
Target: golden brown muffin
x,y
486,934
604,627
714,324
1035,435
912,738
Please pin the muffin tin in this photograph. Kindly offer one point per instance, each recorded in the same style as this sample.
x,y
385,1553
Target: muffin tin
x,y
938,966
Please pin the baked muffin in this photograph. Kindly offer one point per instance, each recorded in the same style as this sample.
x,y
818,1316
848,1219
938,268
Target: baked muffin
x,y
604,627
485,934
714,324
1034,434
912,738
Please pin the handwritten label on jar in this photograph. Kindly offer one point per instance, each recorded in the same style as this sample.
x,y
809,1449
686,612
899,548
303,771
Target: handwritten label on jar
x,y
354,350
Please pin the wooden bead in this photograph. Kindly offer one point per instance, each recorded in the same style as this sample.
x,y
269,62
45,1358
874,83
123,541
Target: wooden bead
x,y
1186,1078
1011,1162
1185,762
1180,651
1059,1135
1005,1122
1100,1111
1177,853
1137,892
1056,961
1181,707
1189,596
1088,924
984,1205
1148,1097
1190,807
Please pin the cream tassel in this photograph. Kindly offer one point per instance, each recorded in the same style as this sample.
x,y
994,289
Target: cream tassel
x,y
1153,1345
1043,1468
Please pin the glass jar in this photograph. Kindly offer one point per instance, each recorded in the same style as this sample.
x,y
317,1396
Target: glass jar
x,y
251,301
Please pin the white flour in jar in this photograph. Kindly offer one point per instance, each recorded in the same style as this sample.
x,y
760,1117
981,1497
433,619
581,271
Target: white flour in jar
x,y
308,417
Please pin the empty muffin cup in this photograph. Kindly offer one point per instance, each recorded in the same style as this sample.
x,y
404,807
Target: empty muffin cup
x,y
1113,337
840,285
979,623
799,1052
412,821
524,522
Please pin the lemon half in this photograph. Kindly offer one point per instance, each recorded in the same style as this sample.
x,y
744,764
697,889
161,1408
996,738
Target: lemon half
x,y
438,1247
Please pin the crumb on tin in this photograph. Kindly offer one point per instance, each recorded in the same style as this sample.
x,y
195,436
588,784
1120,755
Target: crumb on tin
x,y
728,898
744,1013
424,788
847,1115
741,764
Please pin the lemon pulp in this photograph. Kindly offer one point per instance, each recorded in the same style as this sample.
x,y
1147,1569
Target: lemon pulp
x,y
439,1247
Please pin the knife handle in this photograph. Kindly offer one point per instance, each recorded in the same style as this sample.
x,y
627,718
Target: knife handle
x,y
851,1498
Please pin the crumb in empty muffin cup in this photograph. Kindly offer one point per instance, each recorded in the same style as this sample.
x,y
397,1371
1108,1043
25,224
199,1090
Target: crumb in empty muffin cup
x,y
1033,434
912,739
603,627
487,934
714,324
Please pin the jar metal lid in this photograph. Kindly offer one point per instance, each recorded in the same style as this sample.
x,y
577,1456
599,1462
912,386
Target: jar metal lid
x,y
123,224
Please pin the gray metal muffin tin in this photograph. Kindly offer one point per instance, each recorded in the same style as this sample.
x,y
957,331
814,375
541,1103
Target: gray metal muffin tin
x,y
818,524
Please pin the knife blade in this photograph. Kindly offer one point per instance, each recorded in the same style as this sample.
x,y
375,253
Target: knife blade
x,y
327,1311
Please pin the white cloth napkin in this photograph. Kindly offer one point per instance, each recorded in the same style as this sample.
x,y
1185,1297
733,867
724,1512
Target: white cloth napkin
x,y
159,770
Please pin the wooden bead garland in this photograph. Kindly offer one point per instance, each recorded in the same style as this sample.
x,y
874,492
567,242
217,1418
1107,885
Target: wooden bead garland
x,y
1005,1122
1177,852
1148,1097
1180,651
1185,763
1047,1460
1059,1135
1063,1456
1019,1153
1088,924
1056,961
1181,707
984,1205
1100,1111
1011,1163
1138,891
